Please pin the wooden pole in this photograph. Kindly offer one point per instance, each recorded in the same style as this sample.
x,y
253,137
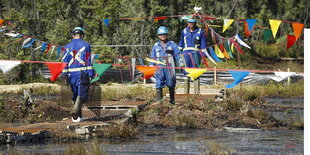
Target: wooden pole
x,y
214,76
288,79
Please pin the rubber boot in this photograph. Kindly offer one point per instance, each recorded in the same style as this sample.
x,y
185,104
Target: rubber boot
x,y
186,85
77,111
171,94
197,86
159,94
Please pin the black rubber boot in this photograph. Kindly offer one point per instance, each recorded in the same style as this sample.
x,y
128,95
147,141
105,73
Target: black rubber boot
x,y
171,94
159,94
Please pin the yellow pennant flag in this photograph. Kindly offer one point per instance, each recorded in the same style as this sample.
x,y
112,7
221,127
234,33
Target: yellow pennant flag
x,y
194,73
218,52
157,62
274,26
297,29
227,23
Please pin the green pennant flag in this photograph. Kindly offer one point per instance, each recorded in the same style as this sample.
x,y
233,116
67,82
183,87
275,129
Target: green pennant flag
x,y
100,69
267,34
226,45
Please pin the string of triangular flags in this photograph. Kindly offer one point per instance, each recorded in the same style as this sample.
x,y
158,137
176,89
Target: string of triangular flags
x,y
148,71
249,25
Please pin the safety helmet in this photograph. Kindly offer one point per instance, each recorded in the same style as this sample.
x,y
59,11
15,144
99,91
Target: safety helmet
x,y
191,20
78,30
162,30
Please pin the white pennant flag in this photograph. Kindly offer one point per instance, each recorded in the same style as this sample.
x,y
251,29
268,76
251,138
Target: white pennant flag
x,y
11,34
6,66
26,41
241,42
207,54
282,75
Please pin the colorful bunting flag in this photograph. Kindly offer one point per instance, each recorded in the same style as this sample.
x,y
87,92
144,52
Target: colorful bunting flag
x,y
226,44
224,51
154,61
133,67
227,23
218,52
267,34
251,23
203,58
106,22
274,26
238,77
214,55
12,34
147,71
159,18
43,47
241,42
29,44
194,73
236,45
55,69
297,29
280,76
209,57
6,66
1,22
246,29
290,41
100,69
26,41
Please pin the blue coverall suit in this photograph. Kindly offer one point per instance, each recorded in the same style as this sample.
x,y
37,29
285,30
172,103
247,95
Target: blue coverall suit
x,y
165,76
188,45
191,42
79,68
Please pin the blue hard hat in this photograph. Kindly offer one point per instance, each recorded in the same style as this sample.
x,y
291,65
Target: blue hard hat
x,y
162,30
191,20
78,30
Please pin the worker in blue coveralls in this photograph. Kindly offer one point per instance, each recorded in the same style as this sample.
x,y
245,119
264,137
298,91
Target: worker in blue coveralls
x,y
192,39
165,51
79,70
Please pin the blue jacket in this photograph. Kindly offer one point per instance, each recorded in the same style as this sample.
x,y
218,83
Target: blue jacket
x,y
187,41
78,57
159,51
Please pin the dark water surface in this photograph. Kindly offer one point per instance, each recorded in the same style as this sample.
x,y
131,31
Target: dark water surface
x,y
184,142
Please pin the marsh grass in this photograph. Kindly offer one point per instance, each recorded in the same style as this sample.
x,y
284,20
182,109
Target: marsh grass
x,y
121,92
273,89
82,149
118,131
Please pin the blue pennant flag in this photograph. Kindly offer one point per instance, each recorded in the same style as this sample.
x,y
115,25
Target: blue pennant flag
x,y
96,57
29,44
251,23
43,47
106,22
141,61
20,35
58,52
238,77
214,55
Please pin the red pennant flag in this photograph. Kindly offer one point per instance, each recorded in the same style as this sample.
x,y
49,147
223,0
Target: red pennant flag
x,y
236,45
48,48
55,69
203,58
297,29
159,18
290,41
147,71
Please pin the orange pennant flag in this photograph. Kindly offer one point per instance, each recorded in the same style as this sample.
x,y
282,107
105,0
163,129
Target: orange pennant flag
x,y
1,21
290,41
246,28
224,51
297,29
55,69
147,71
